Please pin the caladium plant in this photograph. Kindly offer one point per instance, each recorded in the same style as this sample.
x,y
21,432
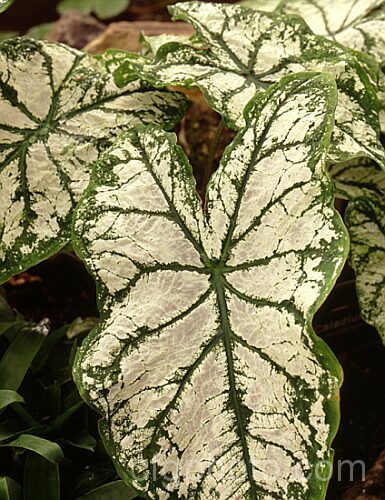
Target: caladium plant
x,y
59,109
242,52
246,51
205,366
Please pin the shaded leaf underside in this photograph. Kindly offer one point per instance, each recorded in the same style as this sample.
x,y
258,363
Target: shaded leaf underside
x,y
246,51
358,178
365,219
58,109
205,366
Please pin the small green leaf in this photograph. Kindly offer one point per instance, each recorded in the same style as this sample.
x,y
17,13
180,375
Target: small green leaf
x,y
53,125
5,4
84,6
8,398
41,479
19,356
117,490
40,31
246,51
47,449
102,8
204,365
9,489
112,8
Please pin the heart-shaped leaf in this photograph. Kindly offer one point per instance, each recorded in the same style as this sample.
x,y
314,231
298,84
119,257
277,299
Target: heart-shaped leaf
x,y
365,219
205,366
359,25
59,108
246,51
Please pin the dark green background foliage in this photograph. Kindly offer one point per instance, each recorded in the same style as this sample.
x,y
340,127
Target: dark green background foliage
x,y
49,442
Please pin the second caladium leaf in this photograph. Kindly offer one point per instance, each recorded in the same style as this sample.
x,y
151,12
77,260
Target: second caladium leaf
x,y
205,366
365,219
358,178
246,51
59,108
358,24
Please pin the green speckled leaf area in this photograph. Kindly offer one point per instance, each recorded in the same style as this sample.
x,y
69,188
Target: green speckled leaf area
x,y
358,24
247,51
205,367
365,219
58,109
5,4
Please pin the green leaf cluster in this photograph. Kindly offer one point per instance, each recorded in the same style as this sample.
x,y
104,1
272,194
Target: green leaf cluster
x,y
49,444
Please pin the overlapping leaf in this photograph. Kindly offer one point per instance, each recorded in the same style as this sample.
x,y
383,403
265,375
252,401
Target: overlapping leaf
x,y
246,51
205,366
363,184
358,178
359,25
365,219
58,110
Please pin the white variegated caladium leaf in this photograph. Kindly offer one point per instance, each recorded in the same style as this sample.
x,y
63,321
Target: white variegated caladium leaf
x,y
358,178
205,366
365,219
58,109
246,51
358,24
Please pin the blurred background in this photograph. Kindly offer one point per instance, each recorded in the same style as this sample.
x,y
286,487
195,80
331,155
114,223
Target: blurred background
x,y
26,14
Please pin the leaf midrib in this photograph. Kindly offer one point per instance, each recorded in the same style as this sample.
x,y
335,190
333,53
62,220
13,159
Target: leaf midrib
x,y
226,334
